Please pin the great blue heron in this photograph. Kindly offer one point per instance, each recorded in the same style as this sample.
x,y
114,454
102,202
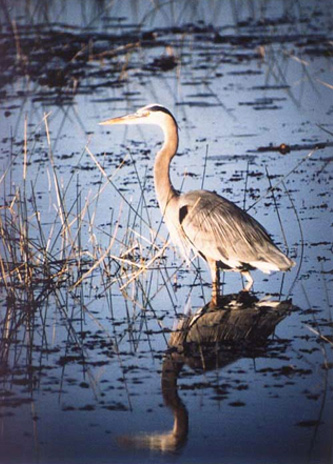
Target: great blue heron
x,y
211,226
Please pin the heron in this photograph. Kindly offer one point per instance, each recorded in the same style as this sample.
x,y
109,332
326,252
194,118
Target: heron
x,y
203,222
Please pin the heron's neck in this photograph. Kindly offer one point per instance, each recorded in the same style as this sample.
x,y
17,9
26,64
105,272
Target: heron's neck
x,y
164,189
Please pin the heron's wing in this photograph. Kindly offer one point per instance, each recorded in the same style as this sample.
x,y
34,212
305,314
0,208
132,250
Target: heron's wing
x,y
220,231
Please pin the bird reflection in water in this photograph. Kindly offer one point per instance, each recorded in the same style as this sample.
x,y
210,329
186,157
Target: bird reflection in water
x,y
213,337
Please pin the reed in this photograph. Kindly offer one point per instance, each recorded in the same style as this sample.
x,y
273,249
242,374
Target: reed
x,y
43,253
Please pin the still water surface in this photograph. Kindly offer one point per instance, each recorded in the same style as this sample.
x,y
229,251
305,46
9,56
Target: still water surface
x,y
89,369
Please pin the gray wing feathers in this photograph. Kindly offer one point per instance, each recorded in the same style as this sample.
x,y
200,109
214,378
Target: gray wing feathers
x,y
221,231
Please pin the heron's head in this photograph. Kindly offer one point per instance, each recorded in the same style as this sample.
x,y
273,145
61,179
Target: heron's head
x,y
151,114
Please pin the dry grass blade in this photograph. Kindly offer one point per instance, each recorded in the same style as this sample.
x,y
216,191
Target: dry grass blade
x,y
300,261
101,259
146,266
109,180
326,84
320,335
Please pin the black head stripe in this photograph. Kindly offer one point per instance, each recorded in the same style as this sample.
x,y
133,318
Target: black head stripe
x,y
161,108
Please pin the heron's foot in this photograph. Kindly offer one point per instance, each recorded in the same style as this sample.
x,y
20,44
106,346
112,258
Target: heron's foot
x,y
221,301
246,298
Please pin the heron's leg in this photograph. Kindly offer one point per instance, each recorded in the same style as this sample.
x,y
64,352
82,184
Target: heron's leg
x,y
215,272
249,279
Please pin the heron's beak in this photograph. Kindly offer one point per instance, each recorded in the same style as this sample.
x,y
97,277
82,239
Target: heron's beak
x,y
130,118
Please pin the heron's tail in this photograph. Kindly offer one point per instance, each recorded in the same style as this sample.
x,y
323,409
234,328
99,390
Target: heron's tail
x,y
288,264
275,260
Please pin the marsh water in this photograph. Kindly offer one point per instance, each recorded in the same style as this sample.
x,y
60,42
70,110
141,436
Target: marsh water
x,y
110,352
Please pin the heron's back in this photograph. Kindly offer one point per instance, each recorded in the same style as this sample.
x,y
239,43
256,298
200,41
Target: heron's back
x,y
221,231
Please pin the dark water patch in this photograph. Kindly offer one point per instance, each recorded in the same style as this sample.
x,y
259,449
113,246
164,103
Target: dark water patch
x,y
199,104
269,87
285,371
286,148
87,407
61,59
201,95
248,72
309,423
237,404
164,63
116,406
251,40
15,402
264,103
63,360
329,365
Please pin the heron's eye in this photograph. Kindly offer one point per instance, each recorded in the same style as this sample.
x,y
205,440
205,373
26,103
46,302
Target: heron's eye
x,y
143,114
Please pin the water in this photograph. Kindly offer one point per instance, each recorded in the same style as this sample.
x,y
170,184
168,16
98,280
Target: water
x,y
84,338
